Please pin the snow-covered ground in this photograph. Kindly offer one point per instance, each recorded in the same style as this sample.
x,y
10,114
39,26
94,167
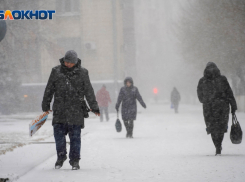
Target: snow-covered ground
x,y
166,147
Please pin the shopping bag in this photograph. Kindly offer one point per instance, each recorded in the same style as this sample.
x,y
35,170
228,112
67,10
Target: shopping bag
x,y
118,124
37,123
236,131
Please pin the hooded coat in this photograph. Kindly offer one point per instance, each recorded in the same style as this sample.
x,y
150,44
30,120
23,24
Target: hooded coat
x,y
127,97
216,95
175,96
68,85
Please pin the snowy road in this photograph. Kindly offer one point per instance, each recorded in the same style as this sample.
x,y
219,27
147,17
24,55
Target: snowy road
x,y
166,147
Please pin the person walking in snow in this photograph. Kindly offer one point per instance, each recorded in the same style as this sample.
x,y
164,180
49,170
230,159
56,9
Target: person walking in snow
x,y
103,99
215,93
127,96
175,98
69,83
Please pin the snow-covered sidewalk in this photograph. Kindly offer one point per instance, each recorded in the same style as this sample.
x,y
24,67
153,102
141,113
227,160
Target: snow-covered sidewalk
x,y
166,147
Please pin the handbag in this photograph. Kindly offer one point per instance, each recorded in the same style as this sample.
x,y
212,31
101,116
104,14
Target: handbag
x,y
236,131
118,124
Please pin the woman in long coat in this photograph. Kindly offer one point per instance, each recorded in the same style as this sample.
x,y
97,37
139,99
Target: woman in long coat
x,y
128,95
175,98
216,95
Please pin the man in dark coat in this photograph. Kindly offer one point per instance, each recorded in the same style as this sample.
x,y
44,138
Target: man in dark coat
x,y
216,95
69,83
175,98
103,99
128,95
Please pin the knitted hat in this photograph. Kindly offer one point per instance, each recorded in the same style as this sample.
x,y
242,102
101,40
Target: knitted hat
x,y
71,57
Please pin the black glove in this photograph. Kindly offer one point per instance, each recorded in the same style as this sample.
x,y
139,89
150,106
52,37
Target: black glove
x,y
233,111
144,106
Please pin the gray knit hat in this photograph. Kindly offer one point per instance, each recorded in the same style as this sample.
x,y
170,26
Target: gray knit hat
x,y
71,57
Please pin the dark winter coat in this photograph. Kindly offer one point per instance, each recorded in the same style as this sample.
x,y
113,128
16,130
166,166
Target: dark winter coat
x,y
216,95
175,96
68,85
128,96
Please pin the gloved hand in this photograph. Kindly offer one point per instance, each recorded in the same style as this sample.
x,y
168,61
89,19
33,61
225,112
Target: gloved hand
x,y
208,130
144,106
233,111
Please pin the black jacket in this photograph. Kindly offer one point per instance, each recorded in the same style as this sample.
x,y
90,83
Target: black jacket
x,y
128,96
215,93
68,85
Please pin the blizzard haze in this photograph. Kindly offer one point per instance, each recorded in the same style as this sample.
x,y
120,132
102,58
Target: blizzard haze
x,y
161,44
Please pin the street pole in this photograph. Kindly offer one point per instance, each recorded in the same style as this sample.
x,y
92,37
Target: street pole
x,y
115,58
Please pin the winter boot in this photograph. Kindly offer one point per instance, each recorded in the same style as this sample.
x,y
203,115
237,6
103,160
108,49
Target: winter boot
x,y
127,135
59,163
218,151
131,136
75,164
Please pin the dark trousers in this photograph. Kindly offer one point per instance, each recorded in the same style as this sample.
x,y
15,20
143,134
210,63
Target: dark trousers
x,y
129,125
217,139
60,132
102,111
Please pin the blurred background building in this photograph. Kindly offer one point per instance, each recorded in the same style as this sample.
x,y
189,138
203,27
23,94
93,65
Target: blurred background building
x,y
161,44
101,32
